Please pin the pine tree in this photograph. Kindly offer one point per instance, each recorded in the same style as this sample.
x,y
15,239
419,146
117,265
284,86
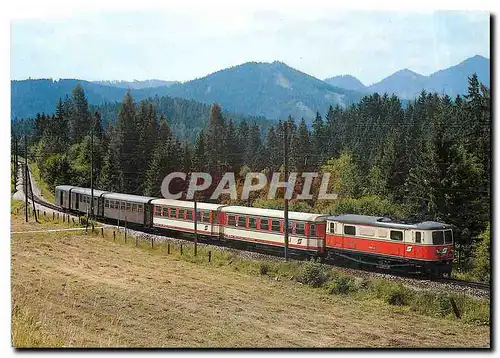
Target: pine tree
x,y
318,143
301,148
79,115
128,138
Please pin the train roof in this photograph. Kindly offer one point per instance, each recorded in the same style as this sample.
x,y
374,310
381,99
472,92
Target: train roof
x,y
66,187
272,213
87,191
186,204
128,197
387,222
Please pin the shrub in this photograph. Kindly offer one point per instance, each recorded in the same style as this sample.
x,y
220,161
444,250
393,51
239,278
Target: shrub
x,y
264,268
443,304
342,285
314,274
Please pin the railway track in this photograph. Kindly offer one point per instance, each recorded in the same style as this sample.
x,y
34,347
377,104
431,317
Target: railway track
x,y
484,288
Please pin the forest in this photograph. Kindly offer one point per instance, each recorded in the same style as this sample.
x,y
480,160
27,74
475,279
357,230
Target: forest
x,y
427,160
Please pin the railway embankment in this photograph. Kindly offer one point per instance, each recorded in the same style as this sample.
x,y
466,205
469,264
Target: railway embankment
x,y
100,289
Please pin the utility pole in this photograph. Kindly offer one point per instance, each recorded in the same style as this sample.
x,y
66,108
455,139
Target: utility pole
x,y
92,167
285,147
26,177
195,227
32,197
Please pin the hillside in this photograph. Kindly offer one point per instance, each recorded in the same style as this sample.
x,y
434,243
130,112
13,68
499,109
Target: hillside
x,y
405,83
186,117
346,81
452,81
272,90
136,84
76,290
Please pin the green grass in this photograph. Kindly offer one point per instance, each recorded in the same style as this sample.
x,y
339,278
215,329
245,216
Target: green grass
x,y
332,281
45,189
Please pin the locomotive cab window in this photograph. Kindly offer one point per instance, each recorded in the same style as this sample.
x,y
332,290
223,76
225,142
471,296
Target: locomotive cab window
x,y
396,235
448,237
437,238
349,230
418,237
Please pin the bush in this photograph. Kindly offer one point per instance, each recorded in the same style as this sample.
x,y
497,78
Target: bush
x,y
342,285
314,274
443,304
393,294
264,268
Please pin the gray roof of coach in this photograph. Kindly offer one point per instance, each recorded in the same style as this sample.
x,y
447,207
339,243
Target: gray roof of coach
x,y
65,187
376,221
128,197
272,213
87,191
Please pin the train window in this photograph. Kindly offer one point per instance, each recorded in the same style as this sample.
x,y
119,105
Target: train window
x,y
206,216
134,207
231,220
349,230
300,228
252,223
290,227
198,215
122,205
139,208
275,225
312,230
242,221
128,206
264,223
106,203
418,237
396,235
332,228
437,238
448,237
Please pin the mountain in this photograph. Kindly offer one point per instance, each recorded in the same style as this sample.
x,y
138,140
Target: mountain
x,y
405,83
452,81
346,81
136,84
29,97
272,90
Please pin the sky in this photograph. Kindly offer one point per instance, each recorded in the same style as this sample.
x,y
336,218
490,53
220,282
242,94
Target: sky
x,y
186,42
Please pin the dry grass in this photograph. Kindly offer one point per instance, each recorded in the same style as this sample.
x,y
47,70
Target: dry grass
x,y
85,291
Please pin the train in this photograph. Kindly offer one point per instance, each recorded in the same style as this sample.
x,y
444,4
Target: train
x,y
422,247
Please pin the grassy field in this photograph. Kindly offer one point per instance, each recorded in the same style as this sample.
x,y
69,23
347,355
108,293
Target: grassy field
x,y
78,290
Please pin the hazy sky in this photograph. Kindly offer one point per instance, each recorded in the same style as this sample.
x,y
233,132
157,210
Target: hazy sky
x,y
188,42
